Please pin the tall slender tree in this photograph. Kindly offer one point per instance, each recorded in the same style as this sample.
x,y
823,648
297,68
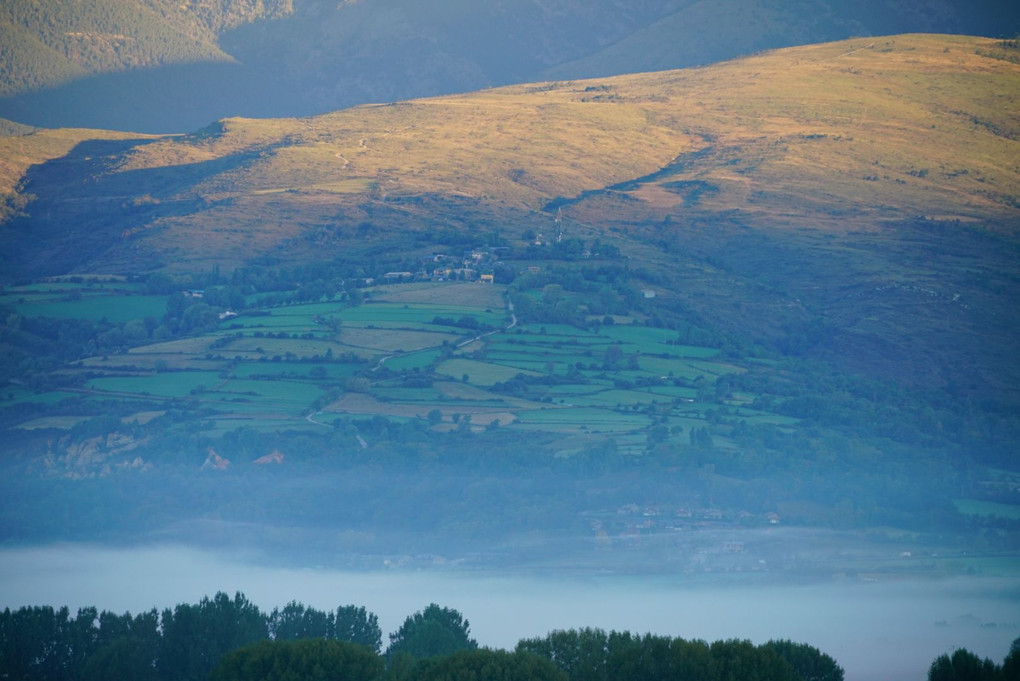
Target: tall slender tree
x,y
430,632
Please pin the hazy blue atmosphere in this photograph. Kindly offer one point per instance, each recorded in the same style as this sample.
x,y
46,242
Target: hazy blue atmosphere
x,y
697,319
878,631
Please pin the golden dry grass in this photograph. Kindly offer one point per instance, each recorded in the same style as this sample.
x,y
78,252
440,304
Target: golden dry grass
x,y
393,340
890,126
18,153
469,294
835,135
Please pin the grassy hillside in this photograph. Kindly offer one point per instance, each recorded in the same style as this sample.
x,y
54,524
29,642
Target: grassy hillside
x,y
864,129
828,154
22,147
209,60
860,196
548,422
696,33
11,128
839,136
636,318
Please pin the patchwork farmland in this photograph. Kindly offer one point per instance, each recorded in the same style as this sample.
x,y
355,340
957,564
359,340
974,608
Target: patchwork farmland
x,y
450,354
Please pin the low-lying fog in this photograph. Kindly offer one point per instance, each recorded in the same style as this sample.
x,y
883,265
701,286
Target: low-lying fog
x,y
876,631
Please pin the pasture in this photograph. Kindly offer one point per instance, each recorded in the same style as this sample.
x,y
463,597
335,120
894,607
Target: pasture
x,y
92,307
418,313
394,340
582,419
477,372
295,370
169,384
974,507
271,366
52,422
285,394
468,295
414,360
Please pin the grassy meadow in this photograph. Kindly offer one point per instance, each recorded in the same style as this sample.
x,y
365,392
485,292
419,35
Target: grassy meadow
x,y
296,365
835,136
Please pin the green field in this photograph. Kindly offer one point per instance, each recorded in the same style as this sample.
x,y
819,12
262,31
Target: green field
x,y
394,340
309,310
652,341
56,422
428,395
170,384
574,419
478,373
298,348
303,370
270,365
16,395
277,392
113,308
413,360
415,313
617,398
274,323
987,508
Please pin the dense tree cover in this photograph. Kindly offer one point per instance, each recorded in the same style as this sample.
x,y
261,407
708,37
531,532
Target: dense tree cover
x,y
46,643
348,623
52,42
809,663
312,659
963,665
1011,665
196,636
430,632
486,665
184,643
357,625
595,655
568,295
230,639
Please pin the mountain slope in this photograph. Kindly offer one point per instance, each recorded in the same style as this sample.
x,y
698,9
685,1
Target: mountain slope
x,y
854,201
22,147
49,42
690,35
203,62
840,135
775,290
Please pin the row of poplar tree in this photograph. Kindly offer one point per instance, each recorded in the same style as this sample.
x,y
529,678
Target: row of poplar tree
x,y
231,639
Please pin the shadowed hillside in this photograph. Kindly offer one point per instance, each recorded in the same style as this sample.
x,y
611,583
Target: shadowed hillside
x,y
50,42
854,201
173,68
842,136
754,319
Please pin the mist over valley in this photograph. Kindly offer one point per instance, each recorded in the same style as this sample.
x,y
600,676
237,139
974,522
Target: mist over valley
x,y
877,631
723,353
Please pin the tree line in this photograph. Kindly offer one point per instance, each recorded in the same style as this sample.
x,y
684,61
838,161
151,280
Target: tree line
x,y
963,665
231,639
180,644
